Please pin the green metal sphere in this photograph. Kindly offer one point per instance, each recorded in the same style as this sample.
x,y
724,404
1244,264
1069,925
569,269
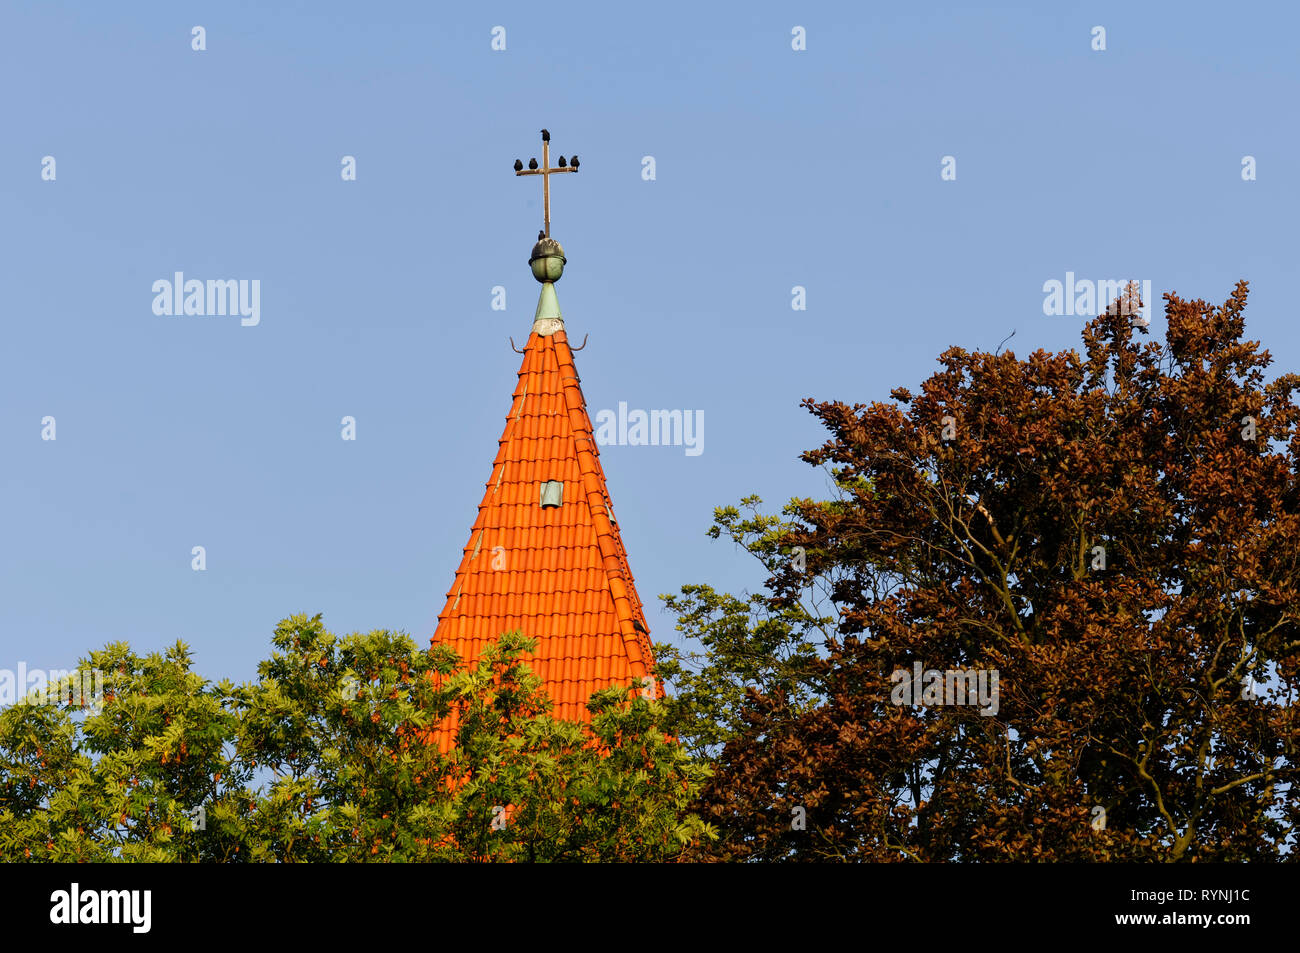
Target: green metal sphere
x,y
547,260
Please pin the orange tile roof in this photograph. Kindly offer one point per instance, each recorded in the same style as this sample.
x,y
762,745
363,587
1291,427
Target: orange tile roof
x,y
560,574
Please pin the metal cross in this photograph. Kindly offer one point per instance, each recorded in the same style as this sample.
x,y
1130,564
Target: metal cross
x,y
546,172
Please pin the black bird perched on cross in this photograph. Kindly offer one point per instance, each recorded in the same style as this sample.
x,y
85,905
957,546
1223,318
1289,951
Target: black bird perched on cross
x,y
546,170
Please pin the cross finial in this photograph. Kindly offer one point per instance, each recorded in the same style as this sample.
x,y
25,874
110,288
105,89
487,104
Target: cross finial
x,y
570,165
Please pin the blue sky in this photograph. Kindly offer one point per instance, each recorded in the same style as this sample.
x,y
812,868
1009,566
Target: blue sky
x,y
774,168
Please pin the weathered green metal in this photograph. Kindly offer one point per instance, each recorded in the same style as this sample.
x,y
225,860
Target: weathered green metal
x,y
548,306
547,260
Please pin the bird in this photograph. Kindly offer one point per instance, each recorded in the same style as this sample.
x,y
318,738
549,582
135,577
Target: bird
x,y
574,162
518,165
532,163
546,136
561,162
540,234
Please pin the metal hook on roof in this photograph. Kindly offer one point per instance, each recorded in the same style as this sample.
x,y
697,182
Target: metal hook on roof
x,y
584,344
513,348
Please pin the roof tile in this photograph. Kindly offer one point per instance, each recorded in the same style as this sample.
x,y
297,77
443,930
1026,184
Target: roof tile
x,y
563,575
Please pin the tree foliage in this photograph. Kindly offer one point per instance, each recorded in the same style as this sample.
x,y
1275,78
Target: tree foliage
x,y
326,757
1114,533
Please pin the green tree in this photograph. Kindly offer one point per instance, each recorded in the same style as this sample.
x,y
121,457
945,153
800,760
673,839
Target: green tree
x,y
747,645
327,757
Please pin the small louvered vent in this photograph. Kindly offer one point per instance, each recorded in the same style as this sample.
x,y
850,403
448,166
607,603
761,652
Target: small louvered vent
x,y
552,493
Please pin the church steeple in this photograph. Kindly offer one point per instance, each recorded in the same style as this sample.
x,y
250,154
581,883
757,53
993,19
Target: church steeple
x,y
545,554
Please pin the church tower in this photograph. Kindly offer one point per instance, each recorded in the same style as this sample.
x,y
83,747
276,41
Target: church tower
x,y
545,554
